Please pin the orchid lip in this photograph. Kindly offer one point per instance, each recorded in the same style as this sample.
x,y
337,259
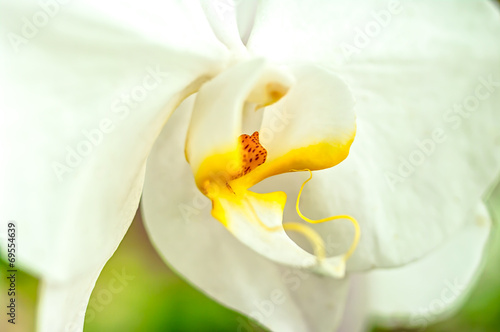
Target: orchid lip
x,y
251,156
317,134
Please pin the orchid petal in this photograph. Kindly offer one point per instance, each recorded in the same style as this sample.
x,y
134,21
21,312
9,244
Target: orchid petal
x,y
426,91
62,305
74,166
429,290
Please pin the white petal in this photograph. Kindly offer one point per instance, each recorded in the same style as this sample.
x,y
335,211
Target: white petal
x,y
177,217
337,33
431,289
62,306
426,90
76,155
62,105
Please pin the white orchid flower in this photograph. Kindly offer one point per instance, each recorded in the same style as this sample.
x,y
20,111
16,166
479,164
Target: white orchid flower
x,y
393,101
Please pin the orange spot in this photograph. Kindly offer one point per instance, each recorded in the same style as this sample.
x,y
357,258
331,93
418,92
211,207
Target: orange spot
x,y
253,154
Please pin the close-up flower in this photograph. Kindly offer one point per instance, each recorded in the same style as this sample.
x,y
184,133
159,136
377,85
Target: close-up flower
x,y
309,165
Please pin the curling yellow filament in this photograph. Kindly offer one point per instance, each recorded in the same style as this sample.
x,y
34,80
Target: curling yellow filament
x,y
357,231
309,233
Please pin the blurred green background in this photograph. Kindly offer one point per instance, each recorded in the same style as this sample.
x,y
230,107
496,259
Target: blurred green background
x,y
156,299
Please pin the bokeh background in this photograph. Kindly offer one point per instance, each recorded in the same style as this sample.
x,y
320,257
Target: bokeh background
x,y
153,298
